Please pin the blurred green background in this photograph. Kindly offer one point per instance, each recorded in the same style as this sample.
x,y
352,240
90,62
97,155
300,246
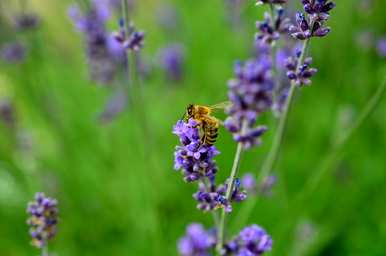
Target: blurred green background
x,y
117,190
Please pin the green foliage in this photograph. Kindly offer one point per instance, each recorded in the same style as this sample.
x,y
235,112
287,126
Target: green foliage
x,y
117,191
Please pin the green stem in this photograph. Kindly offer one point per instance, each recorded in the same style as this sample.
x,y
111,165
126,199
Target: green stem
x,y
316,177
273,56
44,251
236,163
277,140
274,151
214,213
125,15
306,193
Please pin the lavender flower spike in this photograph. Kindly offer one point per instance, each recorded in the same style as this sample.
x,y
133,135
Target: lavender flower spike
x,y
251,241
193,158
43,219
251,94
171,60
312,25
196,242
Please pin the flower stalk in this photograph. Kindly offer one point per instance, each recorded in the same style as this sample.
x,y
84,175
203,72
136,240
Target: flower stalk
x,y
44,251
278,138
235,167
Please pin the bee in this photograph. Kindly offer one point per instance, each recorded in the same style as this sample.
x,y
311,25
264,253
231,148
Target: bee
x,y
209,124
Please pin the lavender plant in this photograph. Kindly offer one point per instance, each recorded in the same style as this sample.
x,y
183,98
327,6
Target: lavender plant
x,y
16,49
13,52
172,60
108,52
251,92
104,54
299,70
43,220
381,47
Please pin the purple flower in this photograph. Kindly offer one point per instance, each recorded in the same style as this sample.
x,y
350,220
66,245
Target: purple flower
x,y
251,94
251,241
318,9
7,113
27,21
213,197
194,159
172,60
43,219
381,47
197,241
269,29
13,52
302,75
136,41
104,56
248,182
313,25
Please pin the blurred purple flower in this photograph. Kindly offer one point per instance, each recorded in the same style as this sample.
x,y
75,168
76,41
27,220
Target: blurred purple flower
x,y
43,219
381,47
197,241
27,21
193,158
104,55
251,241
14,52
7,113
248,182
115,105
172,61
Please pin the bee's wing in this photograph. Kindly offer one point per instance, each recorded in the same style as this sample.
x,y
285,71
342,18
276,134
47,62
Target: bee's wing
x,y
221,105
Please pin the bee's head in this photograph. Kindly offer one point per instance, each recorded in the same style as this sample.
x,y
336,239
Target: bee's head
x,y
190,110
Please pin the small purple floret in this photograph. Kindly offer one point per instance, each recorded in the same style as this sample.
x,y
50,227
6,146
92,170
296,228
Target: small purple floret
x,y
194,159
43,219
197,241
302,75
252,241
251,94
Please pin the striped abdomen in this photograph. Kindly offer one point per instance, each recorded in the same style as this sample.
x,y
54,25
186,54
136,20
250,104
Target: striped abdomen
x,y
210,133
